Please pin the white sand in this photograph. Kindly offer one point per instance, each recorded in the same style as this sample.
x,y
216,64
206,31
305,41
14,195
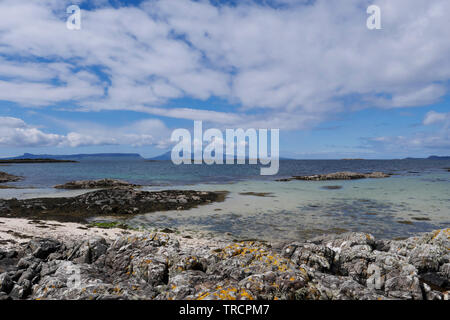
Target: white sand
x,y
16,230
22,230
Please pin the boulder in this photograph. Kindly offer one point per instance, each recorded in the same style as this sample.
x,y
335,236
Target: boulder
x,y
345,175
6,177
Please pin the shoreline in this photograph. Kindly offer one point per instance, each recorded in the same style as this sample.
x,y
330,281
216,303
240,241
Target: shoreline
x,y
121,202
128,264
16,232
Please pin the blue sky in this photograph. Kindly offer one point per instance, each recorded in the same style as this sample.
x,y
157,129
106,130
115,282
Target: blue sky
x,y
139,69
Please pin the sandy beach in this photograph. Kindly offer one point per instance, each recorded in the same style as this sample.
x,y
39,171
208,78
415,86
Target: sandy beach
x,y
15,231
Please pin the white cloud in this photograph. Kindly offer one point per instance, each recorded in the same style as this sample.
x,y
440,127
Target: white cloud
x,y
433,117
15,132
10,122
295,65
424,141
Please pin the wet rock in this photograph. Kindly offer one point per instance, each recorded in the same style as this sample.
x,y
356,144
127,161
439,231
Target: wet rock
x,y
345,175
332,187
6,177
95,184
117,201
377,175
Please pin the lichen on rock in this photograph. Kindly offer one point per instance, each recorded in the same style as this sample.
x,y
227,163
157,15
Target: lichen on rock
x,y
166,266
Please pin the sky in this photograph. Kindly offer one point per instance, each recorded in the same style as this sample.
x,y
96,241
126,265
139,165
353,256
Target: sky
x,y
137,70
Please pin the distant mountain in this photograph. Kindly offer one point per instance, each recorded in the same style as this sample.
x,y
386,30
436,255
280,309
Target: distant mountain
x,y
94,156
431,158
439,158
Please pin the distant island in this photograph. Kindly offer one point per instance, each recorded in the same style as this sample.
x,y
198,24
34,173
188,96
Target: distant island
x,y
431,158
167,156
37,160
73,157
439,158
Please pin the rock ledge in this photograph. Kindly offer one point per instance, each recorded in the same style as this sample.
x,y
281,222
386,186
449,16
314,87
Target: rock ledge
x,y
167,266
95,184
6,177
345,175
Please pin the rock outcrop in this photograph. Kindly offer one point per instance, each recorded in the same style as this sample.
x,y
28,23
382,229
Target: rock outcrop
x,y
346,175
119,201
162,266
95,184
6,177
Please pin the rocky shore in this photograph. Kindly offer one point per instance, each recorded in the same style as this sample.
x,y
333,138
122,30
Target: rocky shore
x,y
117,201
95,184
170,266
6,177
346,175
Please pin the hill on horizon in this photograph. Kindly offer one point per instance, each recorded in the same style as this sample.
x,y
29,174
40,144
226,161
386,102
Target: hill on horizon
x,y
125,156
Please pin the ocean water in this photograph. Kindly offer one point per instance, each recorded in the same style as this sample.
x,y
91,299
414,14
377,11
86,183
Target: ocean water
x,y
415,199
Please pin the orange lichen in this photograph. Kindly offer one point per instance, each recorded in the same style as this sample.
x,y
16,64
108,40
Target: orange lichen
x,y
203,296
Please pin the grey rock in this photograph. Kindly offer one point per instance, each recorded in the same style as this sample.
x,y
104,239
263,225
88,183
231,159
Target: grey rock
x,y
18,292
426,257
6,284
345,175
6,177
157,266
404,287
95,184
43,248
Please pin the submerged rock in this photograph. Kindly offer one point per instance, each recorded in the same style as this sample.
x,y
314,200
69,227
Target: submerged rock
x,y
166,266
332,187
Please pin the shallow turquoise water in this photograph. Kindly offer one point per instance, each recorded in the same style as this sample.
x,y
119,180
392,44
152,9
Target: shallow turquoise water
x,y
394,207
416,199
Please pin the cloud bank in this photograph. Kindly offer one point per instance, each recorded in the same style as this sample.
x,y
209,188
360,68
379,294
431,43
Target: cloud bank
x,y
288,65
15,132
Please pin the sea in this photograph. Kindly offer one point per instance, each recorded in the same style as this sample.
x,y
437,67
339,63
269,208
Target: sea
x,y
416,198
